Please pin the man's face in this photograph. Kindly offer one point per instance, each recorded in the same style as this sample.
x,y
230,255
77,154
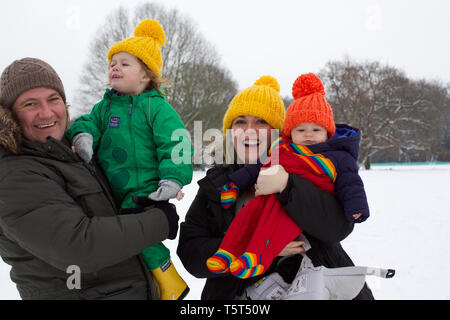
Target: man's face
x,y
41,113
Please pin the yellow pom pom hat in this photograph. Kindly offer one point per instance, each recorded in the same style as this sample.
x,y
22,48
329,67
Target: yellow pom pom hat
x,y
261,100
146,44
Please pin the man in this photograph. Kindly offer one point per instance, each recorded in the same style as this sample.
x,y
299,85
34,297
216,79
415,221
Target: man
x,y
58,225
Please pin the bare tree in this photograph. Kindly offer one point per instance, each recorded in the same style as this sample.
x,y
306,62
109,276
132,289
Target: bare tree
x,y
94,78
395,114
199,87
287,100
435,130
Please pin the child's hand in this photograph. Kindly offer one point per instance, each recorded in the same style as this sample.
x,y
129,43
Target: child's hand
x,y
357,216
83,146
180,195
167,190
272,180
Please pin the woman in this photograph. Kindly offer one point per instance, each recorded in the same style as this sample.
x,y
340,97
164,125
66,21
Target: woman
x,y
252,116
57,213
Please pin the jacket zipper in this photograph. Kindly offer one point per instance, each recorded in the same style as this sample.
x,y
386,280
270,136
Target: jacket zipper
x,y
130,113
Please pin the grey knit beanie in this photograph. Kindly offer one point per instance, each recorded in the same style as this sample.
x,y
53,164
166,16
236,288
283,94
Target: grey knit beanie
x,y
25,74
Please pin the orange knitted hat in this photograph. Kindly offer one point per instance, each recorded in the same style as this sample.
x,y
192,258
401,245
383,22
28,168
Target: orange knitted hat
x,y
309,106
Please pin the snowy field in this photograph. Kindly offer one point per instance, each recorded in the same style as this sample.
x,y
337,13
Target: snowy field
x,y
409,230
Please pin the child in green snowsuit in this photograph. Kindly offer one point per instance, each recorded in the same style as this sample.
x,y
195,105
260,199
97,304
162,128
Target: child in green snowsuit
x,y
131,131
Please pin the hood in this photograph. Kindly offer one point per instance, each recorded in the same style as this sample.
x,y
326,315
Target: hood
x,y
346,138
114,94
10,133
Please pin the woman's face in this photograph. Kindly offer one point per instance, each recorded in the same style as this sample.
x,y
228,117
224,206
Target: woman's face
x,y
251,138
41,113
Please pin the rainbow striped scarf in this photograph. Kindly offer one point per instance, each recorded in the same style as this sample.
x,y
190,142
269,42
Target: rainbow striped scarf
x,y
317,162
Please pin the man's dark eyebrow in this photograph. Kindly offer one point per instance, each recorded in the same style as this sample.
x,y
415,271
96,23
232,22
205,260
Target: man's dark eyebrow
x,y
54,94
27,100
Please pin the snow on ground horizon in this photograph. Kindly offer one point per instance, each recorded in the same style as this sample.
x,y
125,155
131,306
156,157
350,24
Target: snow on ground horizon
x,y
408,231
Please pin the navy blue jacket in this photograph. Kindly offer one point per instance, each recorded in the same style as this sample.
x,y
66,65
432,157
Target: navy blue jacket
x,y
343,150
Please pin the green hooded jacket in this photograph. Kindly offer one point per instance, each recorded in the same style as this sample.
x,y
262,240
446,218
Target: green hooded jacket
x,y
139,141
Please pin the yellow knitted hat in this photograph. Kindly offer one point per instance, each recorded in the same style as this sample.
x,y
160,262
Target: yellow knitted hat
x,y
146,44
262,100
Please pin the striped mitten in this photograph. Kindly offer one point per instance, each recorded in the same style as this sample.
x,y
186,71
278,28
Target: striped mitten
x,y
228,195
220,261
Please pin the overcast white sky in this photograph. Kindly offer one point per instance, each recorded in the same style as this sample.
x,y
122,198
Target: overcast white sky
x,y
283,38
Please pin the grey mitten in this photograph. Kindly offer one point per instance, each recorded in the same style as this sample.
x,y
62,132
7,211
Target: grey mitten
x,y
167,190
83,143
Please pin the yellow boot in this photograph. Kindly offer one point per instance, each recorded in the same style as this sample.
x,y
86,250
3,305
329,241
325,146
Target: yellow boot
x,y
171,285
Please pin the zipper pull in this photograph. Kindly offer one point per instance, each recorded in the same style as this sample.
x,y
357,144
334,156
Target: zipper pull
x,y
131,106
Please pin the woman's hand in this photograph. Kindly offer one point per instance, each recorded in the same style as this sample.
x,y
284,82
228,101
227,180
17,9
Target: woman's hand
x,y
272,180
295,247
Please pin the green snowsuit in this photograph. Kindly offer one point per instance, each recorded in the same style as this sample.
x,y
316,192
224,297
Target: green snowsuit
x,y
139,140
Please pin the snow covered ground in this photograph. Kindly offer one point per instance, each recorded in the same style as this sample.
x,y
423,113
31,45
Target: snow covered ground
x,y
409,230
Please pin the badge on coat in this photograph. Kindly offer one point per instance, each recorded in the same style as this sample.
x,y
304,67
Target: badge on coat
x,y
114,122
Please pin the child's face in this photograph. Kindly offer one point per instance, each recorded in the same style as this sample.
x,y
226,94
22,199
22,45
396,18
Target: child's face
x,y
126,74
309,134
